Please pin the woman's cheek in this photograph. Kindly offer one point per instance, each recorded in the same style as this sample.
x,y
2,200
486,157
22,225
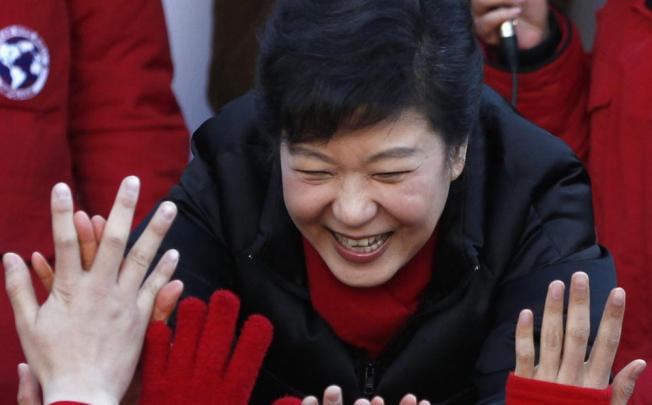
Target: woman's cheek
x,y
416,201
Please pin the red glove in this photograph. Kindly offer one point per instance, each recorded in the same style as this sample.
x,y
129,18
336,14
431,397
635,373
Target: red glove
x,y
287,401
200,367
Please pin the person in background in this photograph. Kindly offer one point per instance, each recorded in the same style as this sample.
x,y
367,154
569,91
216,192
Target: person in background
x,y
601,106
85,98
235,46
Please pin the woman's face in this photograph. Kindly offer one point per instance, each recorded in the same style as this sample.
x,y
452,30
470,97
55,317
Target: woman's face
x,y
369,199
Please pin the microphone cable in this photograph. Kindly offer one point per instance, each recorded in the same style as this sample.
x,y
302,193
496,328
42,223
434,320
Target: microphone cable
x,y
509,48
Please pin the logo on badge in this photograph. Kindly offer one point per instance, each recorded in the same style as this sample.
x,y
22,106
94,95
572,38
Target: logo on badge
x,y
24,63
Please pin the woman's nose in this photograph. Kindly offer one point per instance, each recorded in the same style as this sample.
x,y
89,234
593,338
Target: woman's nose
x,y
354,205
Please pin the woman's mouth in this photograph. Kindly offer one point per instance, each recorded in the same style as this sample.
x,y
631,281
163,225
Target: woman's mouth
x,y
361,250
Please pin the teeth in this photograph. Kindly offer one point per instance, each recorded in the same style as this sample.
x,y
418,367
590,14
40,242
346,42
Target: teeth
x,y
365,245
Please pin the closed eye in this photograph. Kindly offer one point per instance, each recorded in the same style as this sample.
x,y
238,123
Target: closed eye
x,y
391,176
315,174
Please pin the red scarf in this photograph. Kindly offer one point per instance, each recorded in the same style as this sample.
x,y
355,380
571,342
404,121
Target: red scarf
x,y
368,318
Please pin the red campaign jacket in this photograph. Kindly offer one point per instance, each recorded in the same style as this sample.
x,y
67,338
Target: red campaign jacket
x,y
606,117
105,110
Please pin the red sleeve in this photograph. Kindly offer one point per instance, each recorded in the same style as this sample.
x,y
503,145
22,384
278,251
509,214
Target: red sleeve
x,y
525,391
68,403
554,96
124,118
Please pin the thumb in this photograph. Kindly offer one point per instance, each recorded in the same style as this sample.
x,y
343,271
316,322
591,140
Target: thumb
x,y
18,284
28,388
623,385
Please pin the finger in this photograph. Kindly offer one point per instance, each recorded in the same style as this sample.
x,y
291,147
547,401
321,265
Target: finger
x,y
190,322
217,338
86,237
156,280
482,6
332,395
409,399
524,344
166,300
116,232
248,356
377,401
625,381
552,332
20,291
142,253
310,401
362,401
28,387
486,26
43,270
66,246
98,227
606,343
155,352
577,332
424,402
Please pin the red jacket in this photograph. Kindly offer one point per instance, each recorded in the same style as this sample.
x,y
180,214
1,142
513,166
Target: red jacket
x,y
606,116
99,109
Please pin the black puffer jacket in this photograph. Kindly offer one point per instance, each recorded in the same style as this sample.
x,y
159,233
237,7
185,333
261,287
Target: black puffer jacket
x,y
519,217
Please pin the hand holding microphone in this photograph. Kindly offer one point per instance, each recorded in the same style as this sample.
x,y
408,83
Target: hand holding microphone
x,y
530,18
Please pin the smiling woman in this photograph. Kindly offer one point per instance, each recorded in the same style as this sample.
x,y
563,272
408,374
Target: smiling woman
x,y
370,198
388,214
391,218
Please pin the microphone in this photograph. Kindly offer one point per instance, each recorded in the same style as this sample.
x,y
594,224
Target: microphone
x,y
509,48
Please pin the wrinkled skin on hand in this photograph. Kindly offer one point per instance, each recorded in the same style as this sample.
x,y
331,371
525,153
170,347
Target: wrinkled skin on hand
x,y
563,349
82,343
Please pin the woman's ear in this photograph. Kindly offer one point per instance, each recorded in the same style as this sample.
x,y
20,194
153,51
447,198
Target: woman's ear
x,y
458,160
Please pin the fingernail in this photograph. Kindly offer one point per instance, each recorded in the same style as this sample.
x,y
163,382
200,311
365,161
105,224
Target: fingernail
x,y
557,290
9,261
639,369
310,401
581,281
22,369
332,394
168,210
61,191
524,318
618,297
173,256
132,184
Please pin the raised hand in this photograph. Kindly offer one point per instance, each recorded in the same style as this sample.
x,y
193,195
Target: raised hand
x,y
531,18
563,351
200,366
84,342
89,235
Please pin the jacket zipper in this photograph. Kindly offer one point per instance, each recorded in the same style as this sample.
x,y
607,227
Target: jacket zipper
x,y
369,380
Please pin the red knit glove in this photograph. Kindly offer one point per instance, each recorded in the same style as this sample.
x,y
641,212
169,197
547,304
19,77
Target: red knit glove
x,y
526,391
200,367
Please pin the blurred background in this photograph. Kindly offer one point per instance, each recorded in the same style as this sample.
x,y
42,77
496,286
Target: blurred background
x,y
213,47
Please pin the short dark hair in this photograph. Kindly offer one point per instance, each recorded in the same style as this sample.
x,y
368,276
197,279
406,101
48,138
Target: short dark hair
x,y
328,64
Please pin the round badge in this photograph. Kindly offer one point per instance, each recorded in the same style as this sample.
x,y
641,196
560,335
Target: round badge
x,y
24,63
